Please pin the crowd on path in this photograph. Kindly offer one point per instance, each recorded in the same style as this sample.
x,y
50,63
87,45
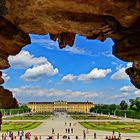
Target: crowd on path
x,y
69,130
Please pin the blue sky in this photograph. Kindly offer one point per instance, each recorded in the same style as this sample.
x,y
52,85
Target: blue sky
x,y
86,71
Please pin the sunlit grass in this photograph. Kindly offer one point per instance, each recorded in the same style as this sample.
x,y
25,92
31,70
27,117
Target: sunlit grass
x,y
13,126
123,127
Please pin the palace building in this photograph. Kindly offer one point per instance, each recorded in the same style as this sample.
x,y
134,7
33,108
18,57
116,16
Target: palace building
x,y
60,106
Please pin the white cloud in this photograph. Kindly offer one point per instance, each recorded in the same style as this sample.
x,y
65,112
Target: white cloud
x,y
120,74
137,92
75,50
5,77
24,60
40,67
122,95
43,92
68,78
40,71
94,74
127,88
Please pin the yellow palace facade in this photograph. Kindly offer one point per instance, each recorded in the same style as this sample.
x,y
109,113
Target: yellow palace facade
x,y
40,107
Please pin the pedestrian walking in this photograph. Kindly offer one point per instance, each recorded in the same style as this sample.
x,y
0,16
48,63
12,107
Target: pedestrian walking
x,y
52,130
119,135
113,132
57,135
18,132
71,130
94,135
84,134
68,130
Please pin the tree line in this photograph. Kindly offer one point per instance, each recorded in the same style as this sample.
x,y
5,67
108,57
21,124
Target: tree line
x,y
131,110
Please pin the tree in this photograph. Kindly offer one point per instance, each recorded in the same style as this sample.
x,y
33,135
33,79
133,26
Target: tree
x,y
132,103
123,105
137,103
113,107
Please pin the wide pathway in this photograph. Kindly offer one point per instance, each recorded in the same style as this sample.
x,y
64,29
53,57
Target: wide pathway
x,y
61,121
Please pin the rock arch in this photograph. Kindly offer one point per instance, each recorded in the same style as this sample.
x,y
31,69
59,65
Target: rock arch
x,y
62,19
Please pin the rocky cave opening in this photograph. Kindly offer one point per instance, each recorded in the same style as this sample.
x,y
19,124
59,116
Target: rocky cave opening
x,y
62,19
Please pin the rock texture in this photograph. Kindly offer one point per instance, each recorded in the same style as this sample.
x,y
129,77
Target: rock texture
x,y
94,19
1,79
6,99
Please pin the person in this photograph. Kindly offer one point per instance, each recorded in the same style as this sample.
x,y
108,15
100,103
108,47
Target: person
x,y
18,132
20,137
14,137
106,138
2,136
65,123
84,134
70,124
22,133
94,135
64,137
35,138
66,130
57,135
52,130
68,137
71,130
76,137
113,132
119,135
27,136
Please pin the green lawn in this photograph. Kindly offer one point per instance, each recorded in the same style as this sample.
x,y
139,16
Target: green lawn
x,y
28,117
123,127
13,126
92,117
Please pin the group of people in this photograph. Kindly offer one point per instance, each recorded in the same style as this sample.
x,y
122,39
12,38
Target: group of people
x,y
10,135
113,137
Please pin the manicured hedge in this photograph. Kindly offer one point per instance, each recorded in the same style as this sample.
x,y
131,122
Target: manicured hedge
x,y
121,113
129,114
104,111
13,111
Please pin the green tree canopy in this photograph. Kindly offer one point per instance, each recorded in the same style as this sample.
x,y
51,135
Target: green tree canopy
x,y
137,103
123,105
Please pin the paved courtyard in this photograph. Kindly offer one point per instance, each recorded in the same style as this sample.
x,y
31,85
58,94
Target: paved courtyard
x,y
61,121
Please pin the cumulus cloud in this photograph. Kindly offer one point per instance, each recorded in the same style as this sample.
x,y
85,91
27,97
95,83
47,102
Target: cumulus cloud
x,y
40,71
5,77
120,74
34,91
93,74
24,60
137,92
127,88
68,78
40,67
